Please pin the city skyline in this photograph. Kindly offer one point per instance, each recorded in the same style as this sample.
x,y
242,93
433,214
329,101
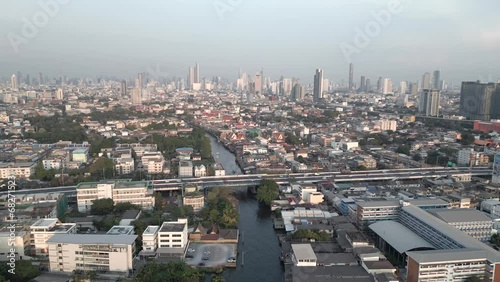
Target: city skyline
x,y
229,41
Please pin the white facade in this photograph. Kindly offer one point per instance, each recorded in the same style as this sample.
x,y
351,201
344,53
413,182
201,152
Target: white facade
x,y
385,125
173,234
52,164
93,252
19,170
135,192
185,169
150,238
305,191
124,165
20,241
153,162
44,229
200,170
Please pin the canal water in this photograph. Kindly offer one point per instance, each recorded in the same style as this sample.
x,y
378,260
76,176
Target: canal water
x,y
258,248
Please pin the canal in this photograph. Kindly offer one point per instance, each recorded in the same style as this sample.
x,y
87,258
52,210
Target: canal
x,y
258,248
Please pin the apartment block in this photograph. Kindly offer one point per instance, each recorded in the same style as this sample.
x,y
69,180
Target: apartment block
x,y
124,165
44,229
150,239
153,162
185,169
18,170
94,252
473,222
195,200
135,192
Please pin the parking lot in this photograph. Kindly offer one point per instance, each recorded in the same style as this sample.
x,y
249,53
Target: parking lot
x,y
210,255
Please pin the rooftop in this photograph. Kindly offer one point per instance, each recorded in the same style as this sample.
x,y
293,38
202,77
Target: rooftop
x,y
398,236
150,230
130,214
121,230
172,227
377,204
92,239
460,215
303,251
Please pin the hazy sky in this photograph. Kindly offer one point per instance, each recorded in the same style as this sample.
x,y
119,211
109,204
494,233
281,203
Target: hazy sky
x,y
286,37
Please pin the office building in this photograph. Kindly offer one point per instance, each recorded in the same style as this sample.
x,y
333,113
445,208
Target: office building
x,y
13,82
429,102
371,211
413,88
190,78
45,228
387,87
473,222
135,192
368,86
403,87
362,84
426,81
318,86
257,84
196,74
436,79
136,96
351,77
91,252
173,234
298,92
287,86
480,101
379,85
123,88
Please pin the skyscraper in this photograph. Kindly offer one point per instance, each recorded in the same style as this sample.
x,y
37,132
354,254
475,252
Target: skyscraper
x,y
287,86
368,86
298,92
136,96
197,73
258,84
403,87
429,102
379,85
123,88
318,86
351,76
190,79
426,81
436,79
413,88
480,101
13,82
141,82
40,78
387,87
362,84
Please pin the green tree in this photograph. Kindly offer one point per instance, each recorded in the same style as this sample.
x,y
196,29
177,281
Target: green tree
x,y
403,149
170,272
218,278
102,206
467,138
267,191
158,201
102,168
122,207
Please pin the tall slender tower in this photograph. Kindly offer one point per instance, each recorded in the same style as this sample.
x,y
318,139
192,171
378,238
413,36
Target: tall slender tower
x,y
437,79
362,87
123,89
426,81
258,83
197,73
13,82
318,86
351,76
190,79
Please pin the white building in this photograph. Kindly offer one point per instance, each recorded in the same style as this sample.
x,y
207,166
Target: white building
x,y
80,155
153,162
305,191
303,255
173,234
19,240
135,192
200,171
52,164
219,169
18,170
95,252
150,239
124,165
385,125
185,169
464,156
44,229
